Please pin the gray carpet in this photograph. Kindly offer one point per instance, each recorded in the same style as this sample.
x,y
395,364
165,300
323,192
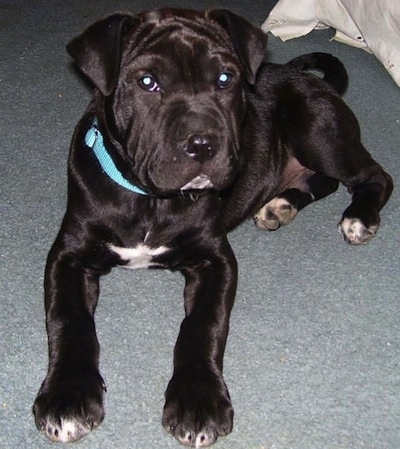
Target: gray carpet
x,y
313,356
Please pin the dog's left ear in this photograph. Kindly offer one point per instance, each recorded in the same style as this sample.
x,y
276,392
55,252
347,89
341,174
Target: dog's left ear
x,y
249,42
97,51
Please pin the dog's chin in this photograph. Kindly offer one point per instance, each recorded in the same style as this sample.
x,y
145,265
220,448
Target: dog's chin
x,y
200,182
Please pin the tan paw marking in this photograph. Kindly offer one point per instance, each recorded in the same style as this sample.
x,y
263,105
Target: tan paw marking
x,y
274,214
355,232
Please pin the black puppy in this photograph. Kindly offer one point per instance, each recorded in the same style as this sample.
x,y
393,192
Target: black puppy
x,y
188,135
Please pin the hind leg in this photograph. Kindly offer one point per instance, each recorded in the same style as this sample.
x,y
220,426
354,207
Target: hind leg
x,y
282,209
324,136
369,185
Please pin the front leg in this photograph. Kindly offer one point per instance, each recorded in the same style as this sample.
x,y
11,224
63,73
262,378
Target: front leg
x,y
198,407
70,401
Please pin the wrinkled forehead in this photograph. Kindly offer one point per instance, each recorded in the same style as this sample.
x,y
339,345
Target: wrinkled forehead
x,y
185,42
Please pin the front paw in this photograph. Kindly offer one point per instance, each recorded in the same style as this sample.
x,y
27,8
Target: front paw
x,y
196,412
68,410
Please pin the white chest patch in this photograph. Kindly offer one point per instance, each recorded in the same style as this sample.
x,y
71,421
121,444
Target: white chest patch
x,y
139,257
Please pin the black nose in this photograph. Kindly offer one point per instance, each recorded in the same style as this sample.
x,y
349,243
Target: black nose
x,y
200,147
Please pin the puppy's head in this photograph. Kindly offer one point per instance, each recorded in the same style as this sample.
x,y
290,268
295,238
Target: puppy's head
x,y
172,88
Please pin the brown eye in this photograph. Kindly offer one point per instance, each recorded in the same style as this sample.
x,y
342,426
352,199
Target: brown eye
x,y
225,80
149,83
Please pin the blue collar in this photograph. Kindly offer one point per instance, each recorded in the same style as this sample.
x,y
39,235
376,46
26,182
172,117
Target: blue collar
x,y
94,140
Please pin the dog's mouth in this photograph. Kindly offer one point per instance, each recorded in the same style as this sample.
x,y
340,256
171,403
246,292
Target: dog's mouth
x,y
200,182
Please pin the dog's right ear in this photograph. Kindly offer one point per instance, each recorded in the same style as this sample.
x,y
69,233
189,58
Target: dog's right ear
x,y
97,51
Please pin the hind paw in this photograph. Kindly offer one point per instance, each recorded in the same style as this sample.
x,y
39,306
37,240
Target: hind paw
x,y
356,232
275,213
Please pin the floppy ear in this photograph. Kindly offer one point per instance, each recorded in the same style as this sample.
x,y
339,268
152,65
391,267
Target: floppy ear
x,y
249,42
97,51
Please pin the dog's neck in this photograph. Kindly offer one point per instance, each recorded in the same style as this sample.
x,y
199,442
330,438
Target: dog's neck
x,y
94,140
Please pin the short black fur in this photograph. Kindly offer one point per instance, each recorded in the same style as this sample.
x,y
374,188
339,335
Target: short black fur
x,y
272,140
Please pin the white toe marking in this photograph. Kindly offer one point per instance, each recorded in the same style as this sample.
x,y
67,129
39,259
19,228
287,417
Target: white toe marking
x,y
202,440
67,431
277,203
354,231
276,212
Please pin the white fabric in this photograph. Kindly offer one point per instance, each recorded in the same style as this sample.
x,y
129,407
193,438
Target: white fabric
x,y
373,25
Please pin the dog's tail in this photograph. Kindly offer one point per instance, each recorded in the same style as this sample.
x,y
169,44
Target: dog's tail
x,y
334,72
